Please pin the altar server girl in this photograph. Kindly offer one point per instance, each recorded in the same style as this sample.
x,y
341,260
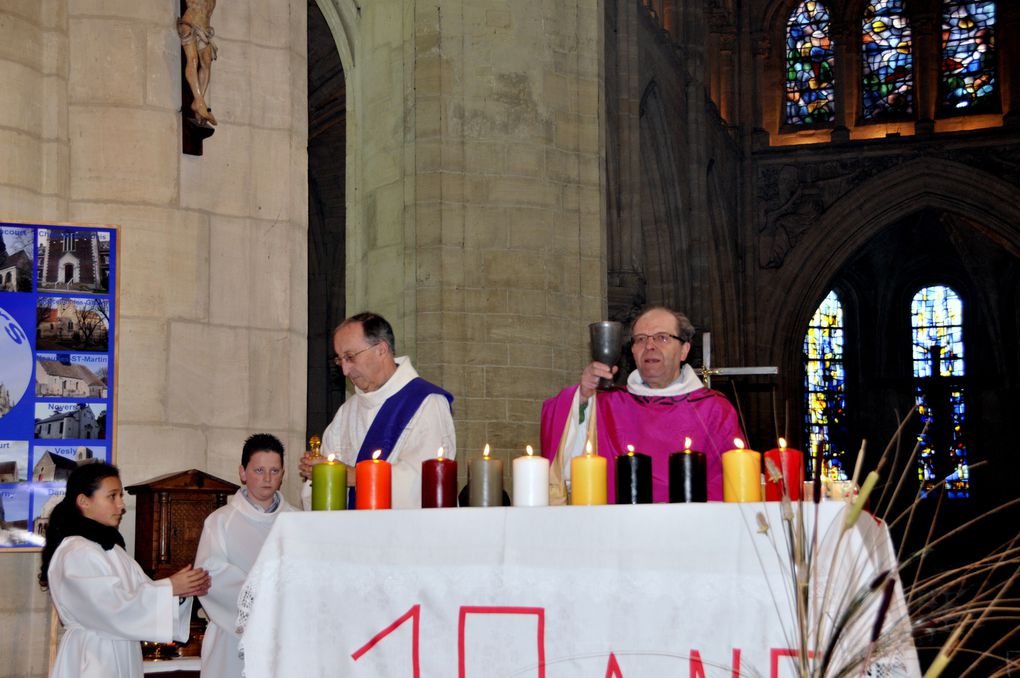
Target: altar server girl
x,y
105,601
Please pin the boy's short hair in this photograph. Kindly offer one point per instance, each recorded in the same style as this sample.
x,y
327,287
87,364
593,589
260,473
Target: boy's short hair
x,y
260,442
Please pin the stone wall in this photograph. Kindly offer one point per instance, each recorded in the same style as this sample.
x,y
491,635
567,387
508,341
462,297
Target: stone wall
x,y
477,223
211,339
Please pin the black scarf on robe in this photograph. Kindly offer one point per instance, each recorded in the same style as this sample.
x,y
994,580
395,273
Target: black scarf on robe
x,y
104,535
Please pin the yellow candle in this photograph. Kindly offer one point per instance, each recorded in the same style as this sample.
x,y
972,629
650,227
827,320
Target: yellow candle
x,y
588,479
329,485
741,474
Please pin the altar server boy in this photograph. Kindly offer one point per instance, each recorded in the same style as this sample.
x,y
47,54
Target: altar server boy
x,y
105,601
231,540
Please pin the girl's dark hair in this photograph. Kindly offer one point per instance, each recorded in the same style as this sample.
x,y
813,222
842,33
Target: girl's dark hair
x,y
84,480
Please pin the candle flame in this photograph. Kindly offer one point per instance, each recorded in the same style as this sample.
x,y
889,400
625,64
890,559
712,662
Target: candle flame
x,y
587,448
531,451
687,442
439,453
782,443
630,449
331,458
376,455
485,453
738,443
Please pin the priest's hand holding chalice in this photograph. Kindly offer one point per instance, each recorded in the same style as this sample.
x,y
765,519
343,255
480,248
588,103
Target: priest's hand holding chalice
x,y
606,349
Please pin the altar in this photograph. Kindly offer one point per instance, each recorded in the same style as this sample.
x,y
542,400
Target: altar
x,y
559,592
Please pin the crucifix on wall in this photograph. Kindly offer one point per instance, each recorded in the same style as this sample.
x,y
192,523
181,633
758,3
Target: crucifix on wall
x,y
198,52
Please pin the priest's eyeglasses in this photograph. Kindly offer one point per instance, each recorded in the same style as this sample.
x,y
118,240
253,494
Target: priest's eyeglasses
x,y
349,357
662,338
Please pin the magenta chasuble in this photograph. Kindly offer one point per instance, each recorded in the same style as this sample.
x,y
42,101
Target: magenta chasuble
x,y
654,425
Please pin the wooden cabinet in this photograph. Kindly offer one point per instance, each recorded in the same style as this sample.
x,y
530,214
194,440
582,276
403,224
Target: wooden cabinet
x,y
169,516
170,513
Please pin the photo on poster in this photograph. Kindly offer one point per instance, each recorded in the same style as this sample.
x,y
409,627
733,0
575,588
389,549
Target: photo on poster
x,y
74,260
70,421
54,463
13,461
72,324
15,258
71,375
14,505
44,498
16,366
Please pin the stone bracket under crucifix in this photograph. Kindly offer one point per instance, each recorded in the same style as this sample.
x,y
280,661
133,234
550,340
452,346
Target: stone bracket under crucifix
x,y
707,371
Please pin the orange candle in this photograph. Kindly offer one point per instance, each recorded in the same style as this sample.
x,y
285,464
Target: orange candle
x,y
372,483
588,478
741,474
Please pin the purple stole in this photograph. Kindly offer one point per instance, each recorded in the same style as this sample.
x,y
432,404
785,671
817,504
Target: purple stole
x,y
654,425
393,417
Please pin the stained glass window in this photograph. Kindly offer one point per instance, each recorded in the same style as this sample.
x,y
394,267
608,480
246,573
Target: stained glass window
x,y
888,65
937,324
810,84
824,385
968,55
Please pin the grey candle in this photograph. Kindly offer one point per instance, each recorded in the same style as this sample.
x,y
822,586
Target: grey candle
x,y
486,481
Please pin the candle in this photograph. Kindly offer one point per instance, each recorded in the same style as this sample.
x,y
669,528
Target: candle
x,y
633,478
588,484
485,488
439,482
790,464
531,479
741,474
687,475
329,485
372,483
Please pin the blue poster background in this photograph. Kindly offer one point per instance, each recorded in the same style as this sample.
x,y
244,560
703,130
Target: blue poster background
x,y
57,366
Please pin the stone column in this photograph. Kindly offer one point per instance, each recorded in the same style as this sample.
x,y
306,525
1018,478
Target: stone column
x,y
846,79
482,219
926,27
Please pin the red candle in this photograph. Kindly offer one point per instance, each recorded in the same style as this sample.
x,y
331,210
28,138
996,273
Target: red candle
x,y
790,463
439,482
372,483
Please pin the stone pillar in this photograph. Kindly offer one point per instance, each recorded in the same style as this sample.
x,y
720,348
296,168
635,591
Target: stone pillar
x,y
1009,61
926,29
481,222
846,79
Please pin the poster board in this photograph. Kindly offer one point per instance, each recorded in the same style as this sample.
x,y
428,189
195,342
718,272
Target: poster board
x,y
58,330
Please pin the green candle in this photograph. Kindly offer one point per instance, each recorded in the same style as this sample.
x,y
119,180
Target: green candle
x,y
329,485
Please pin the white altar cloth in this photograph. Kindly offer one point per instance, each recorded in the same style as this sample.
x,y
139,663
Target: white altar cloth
x,y
558,592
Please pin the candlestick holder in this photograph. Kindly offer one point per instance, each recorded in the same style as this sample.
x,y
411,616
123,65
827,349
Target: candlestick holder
x,y
606,346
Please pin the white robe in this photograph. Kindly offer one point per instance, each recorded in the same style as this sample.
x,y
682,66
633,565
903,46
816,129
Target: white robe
x,y
429,428
231,540
108,604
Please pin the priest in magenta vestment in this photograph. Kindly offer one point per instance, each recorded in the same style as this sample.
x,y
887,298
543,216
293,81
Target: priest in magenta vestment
x,y
663,403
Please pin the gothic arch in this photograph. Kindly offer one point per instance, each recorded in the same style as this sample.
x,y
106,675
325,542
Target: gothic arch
x,y
342,17
843,229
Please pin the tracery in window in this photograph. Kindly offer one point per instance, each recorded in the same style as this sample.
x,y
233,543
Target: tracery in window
x,y
888,68
810,58
937,326
825,386
968,79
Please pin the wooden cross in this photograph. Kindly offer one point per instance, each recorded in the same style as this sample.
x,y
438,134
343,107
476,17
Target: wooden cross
x,y
707,371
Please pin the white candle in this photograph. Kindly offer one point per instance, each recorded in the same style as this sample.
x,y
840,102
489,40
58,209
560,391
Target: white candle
x,y
531,480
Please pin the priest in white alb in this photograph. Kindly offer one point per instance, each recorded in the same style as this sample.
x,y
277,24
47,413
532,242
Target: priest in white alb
x,y
392,410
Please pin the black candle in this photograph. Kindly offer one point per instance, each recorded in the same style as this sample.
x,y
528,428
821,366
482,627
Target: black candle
x,y
634,478
687,481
